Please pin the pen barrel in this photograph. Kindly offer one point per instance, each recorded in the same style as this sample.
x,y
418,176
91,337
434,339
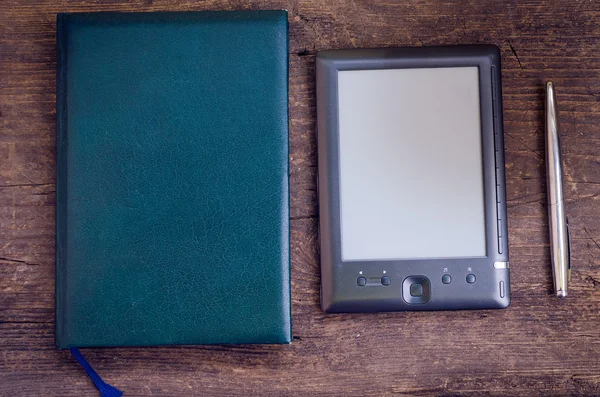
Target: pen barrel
x,y
559,243
559,248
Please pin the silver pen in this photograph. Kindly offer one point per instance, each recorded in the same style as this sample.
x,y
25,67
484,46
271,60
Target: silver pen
x,y
559,227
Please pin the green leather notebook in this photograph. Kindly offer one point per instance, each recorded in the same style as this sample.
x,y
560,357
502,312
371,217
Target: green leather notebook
x,y
172,179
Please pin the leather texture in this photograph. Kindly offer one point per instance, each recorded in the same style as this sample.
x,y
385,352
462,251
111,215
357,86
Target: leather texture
x,y
172,179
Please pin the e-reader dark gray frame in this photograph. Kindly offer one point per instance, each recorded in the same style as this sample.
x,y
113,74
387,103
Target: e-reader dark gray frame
x,y
340,291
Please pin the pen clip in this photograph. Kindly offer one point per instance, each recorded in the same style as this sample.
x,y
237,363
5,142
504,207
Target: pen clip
x,y
568,250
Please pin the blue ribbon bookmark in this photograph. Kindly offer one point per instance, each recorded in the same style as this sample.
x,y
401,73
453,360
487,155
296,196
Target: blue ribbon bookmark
x,y
106,390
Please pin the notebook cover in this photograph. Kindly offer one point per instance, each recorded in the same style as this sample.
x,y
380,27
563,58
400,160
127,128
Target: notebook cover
x,y
172,179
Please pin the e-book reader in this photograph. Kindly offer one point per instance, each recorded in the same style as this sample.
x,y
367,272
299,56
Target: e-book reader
x,y
411,179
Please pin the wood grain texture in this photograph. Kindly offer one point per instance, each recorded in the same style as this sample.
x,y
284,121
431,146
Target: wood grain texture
x,y
538,347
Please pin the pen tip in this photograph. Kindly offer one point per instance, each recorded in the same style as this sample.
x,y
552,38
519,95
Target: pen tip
x,y
561,294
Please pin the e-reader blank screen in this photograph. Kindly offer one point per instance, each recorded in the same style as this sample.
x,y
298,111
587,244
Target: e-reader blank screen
x,y
411,177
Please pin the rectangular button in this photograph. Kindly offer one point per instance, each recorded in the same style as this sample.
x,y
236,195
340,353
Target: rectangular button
x,y
497,193
496,144
500,248
499,221
416,290
502,292
493,76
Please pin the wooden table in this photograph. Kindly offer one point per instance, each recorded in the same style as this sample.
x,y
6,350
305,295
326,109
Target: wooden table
x,y
540,346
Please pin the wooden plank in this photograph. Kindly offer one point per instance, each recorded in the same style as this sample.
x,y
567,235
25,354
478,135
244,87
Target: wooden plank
x,y
538,346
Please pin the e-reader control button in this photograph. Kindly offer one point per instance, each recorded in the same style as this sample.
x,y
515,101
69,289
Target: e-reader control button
x,y
361,281
385,280
416,290
446,279
471,278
